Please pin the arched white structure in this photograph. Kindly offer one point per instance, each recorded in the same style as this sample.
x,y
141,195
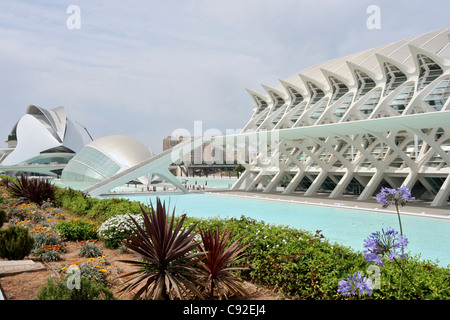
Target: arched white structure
x,y
42,136
103,158
406,78
349,125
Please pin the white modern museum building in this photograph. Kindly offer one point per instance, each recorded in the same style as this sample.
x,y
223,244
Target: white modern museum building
x,y
351,125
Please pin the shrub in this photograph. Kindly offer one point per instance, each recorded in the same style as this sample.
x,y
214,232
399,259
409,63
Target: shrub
x,y
72,200
90,249
3,217
32,190
51,253
47,205
15,243
88,290
166,268
92,208
56,213
77,229
47,244
94,269
114,230
304,265
23,211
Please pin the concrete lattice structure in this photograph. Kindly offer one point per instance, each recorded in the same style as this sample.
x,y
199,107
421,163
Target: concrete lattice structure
x,y
346,126
408,80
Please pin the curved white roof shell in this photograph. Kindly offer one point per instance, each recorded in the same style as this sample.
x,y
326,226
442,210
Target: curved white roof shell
x,y
338,90
126,151
436,43
105,157
41,134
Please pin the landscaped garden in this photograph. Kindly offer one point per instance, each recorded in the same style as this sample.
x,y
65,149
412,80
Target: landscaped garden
x,y
91,247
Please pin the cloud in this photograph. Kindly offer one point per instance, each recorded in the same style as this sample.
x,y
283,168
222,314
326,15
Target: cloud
x,y
146,68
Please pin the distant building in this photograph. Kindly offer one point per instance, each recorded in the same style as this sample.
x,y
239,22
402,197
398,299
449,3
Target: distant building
x,y
171,141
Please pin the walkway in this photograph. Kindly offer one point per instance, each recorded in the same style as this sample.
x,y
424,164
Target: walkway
x,y
414,207
8,267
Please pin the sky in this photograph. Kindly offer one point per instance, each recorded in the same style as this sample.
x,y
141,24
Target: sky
x,y
146,69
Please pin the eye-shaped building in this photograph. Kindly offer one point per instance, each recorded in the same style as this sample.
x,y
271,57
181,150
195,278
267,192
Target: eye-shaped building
x,y
103,158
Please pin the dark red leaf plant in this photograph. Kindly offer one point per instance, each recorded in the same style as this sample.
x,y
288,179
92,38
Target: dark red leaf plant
x,y
166,268
220,262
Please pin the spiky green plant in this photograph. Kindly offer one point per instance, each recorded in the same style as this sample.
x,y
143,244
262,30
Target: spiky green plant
x,y
166,269
32,190
219,263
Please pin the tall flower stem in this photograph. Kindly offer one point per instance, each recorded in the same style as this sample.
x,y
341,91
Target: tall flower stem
x,y
400,265
401,268
399,219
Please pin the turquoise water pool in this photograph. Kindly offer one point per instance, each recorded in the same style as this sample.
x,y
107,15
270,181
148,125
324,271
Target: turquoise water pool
x,y
427,236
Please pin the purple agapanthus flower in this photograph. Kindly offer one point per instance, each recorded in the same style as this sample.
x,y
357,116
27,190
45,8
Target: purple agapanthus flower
x,y
390,196
354,284
385,243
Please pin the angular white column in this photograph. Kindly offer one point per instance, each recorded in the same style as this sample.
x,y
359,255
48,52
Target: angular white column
x,y
316,183
274,182
373,183
442,196
342,185
294,182
243,180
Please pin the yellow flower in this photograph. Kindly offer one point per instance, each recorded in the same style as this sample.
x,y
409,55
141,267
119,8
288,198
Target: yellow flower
x,y
103,270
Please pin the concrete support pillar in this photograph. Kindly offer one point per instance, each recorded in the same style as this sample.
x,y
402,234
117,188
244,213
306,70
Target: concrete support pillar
x,y
274,182
294,182
411,179
342,185
316,183
166,175
243,180
442,196
370,188
254,182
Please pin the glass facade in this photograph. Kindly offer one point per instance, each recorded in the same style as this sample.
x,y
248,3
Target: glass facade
x,y
90,166
438,97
